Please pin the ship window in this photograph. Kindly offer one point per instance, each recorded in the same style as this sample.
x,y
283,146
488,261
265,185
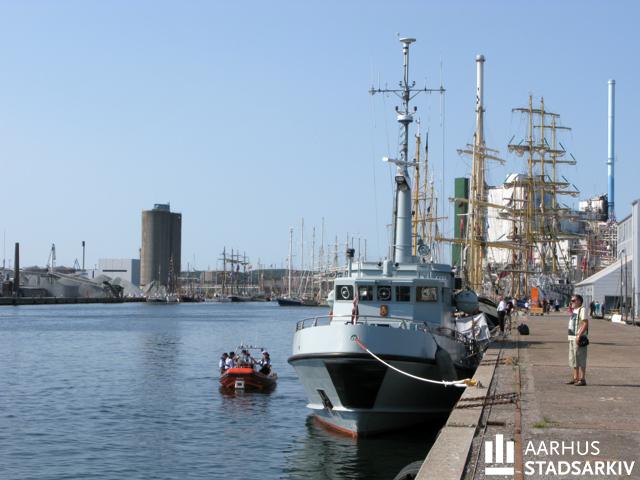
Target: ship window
x,y
365,293
427,294
403,294
344,292
384,293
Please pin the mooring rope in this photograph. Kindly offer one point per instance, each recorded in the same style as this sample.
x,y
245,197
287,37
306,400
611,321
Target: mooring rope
x,y
467,382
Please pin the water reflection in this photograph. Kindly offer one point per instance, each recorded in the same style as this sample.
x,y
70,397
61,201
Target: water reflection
x,y
322,454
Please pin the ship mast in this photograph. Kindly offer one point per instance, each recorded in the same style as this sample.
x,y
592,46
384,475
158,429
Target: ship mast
x,y
424,203
289,261
402,244
538,211
476,232
418,197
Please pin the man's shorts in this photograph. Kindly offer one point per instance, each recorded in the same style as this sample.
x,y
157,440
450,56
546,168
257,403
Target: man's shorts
x,y
577,355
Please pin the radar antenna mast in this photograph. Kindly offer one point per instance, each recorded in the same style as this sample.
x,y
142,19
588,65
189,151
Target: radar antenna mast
x,y
402,211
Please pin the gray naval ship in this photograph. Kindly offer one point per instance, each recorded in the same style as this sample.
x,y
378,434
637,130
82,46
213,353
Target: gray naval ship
x,y
391,353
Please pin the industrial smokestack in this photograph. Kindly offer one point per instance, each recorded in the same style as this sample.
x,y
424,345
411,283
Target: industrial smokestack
x,y
611,149
16,272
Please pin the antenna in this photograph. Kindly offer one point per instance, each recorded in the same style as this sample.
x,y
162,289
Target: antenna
x,y
407,90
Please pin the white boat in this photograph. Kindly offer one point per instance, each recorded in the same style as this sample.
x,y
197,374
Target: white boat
x,y
392,353
163,298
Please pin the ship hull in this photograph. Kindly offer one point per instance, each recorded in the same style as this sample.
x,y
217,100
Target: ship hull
x,y
359,396
295,302
351,392
247,379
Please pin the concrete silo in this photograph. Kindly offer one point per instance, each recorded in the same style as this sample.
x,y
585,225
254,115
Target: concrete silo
x,y
161,246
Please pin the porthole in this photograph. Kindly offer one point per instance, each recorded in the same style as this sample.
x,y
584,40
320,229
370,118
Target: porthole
x,y
384,293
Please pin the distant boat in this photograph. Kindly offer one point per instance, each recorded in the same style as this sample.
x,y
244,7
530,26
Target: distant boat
x,y
245,376
172,298
219,299
260,298
188,298
239,298
163,298
297,302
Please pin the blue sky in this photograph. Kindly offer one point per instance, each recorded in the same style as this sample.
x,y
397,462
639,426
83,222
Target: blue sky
x,y
248,116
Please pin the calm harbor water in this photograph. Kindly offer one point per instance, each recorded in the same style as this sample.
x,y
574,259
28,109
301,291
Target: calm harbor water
x,y
131,392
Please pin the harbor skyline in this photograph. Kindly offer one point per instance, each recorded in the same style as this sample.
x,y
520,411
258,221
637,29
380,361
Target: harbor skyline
x,y
243,121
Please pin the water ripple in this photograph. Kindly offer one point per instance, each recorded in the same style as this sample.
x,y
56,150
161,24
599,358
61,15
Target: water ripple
x,y
131,391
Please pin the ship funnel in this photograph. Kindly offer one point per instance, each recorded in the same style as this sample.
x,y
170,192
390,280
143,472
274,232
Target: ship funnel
x,y
611,149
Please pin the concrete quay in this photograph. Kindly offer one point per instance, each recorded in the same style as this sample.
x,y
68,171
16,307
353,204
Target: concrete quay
x,y
14,301
558,430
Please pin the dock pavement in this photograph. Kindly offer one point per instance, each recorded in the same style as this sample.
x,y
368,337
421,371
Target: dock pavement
x,y
525,422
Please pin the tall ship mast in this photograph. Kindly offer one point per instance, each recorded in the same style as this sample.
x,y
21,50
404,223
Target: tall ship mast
x,y
425,201
537,211
474,261
393,350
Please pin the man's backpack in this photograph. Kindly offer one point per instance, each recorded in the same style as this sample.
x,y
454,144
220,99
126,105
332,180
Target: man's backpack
x,y
523,329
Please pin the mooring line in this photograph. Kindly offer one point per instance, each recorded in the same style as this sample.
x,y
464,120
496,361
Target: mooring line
x,y
467,382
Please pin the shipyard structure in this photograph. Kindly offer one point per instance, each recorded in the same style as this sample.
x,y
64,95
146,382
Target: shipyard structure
x,y
161,246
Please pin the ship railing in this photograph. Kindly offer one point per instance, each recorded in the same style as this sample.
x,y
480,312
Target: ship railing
x,y
374,320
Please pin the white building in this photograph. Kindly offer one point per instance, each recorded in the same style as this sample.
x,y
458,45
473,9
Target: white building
x,y
607,286
502,225
124,268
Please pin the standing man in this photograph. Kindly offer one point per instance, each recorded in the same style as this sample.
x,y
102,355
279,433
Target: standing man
x,y
578,327
502,311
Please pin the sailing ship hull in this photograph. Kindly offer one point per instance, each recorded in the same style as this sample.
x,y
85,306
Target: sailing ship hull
x,y
353,393
296,302
191,299
239,298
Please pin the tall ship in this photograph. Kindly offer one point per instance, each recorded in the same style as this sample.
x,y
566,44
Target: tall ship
x,y
392,352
